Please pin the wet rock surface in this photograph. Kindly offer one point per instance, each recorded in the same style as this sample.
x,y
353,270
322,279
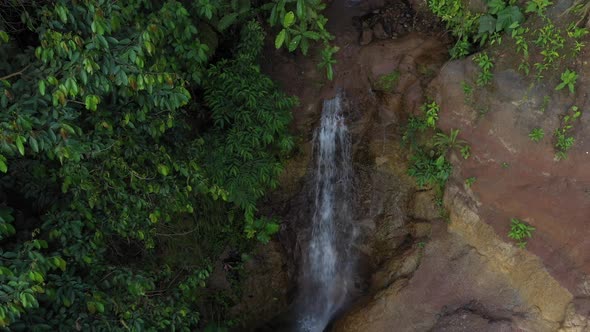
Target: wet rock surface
x,y
417,272
395,19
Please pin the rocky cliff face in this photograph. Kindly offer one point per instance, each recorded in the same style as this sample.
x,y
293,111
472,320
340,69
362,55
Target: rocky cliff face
x,y
420,272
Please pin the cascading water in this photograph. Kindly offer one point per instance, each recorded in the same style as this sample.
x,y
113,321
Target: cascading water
x,y
327,264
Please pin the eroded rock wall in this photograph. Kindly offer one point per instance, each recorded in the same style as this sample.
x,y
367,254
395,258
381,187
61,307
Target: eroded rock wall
x,y
420,272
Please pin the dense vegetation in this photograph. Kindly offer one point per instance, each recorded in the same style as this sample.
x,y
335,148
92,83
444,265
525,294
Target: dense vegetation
x,y
541,42
136,139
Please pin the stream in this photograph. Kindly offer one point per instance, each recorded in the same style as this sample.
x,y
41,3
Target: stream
x,y
328,261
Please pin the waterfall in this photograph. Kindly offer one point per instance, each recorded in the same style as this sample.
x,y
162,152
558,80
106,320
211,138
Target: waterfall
x,y
327,264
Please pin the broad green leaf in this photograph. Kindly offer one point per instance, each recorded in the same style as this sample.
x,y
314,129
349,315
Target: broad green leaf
x,y
91,101
33,143
226,21
301,9
91,307
163,169
289,19
487,24
61,11
273,16
304,46
272,228
68,128
20,140
42,87
280,38
311,35
294,43
23,299
3,36
3,166
507,17
329,72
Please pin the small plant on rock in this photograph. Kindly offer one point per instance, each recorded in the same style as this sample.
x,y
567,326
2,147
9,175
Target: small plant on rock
x,y
470,181
465,151
485,64
568,78
546,100
520,232
429,170
387,82
537,134
468,92
431,111
564,142
328,60
448,142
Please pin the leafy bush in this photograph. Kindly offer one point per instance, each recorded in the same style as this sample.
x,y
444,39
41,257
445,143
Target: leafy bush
x,y
460,21
429,170
500,17
446,142
470,27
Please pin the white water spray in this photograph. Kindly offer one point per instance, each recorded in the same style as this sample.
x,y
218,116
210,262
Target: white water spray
x,y
327,277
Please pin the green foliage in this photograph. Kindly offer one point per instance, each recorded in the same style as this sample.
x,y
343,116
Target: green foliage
x,y
139,159
460,21
468,92
563,140
470,27
576,33
429,170
465,151
568,78
551,42
500,17
520,232
302,24
387,82
415,126
537,134
485,64
328,60
431,111
428,163
522,46
538,6
470,181
445,143
448,142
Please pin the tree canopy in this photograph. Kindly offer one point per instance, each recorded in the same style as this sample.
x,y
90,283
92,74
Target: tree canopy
x,y
136,139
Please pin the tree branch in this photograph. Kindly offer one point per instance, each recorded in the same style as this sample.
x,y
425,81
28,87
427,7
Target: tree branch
x,y
14,74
